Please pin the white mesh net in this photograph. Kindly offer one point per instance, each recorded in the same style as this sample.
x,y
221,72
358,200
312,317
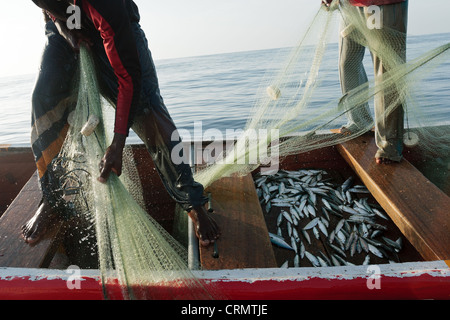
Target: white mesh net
x,y
292,102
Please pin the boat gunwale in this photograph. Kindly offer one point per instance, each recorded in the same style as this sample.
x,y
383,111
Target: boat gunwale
x,y
412,280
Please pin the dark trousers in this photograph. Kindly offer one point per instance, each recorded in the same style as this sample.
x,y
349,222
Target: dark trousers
x,y
53,100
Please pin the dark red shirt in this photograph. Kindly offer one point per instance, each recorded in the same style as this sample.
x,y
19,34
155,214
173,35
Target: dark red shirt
x,y
367,3
112,19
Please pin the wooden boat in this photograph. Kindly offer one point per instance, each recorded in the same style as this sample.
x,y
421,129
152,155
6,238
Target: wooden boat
x,y
248,266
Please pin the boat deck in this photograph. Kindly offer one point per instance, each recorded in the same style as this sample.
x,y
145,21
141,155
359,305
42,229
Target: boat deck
x,y
416,206
244,242
419,209
14,252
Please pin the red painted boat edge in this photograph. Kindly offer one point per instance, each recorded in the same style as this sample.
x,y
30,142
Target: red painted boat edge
x,y
405,281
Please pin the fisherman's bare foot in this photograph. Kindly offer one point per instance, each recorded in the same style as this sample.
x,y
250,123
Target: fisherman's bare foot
x,y
345,131
383,161
206,228
351,129
37,226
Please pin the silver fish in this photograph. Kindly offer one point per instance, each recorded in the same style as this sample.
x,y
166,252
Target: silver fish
x,y
322,228
322,262
294,213
392,243
268,206
348,197
325,222
289,228
380,214
281,188
366,260
325,258
375,251
338,196
348,209
335,261
375,233
325,214
341,260
294,245
312,258
281,204
339,225
296,261
279,219
287,217
358,190
306,236
299,212
279,232
338,250
294,221
279,242
316,233
312,224
332,236
295,235
347,184
399,242
302,250
302,204
350,240
364,244
311,210
326,203
341,236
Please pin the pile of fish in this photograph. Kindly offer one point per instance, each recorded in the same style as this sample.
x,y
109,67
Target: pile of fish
x,y
337,217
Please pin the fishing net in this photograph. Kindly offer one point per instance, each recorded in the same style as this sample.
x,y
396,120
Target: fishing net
x,y
138,258
295,108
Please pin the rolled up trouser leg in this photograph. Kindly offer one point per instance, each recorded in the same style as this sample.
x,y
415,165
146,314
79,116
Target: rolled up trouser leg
x,y
389,112
51,105
352,73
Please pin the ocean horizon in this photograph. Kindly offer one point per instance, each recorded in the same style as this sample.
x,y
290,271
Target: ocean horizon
x,y
220,90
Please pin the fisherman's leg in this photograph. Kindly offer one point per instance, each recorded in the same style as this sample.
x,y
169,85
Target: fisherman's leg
x,y
389,112
50,108
155,127
352,75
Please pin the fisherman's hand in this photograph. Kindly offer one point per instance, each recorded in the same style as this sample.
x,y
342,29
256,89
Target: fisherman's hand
x,y
73,37
112,161
77,38
327,2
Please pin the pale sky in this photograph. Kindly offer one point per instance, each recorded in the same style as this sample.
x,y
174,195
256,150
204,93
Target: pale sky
x,y
181,28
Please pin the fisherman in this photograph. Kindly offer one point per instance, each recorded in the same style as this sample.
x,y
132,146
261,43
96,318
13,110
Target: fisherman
x,y
127,77
389,127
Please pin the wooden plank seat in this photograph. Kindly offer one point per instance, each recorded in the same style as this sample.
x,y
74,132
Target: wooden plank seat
x,y
419,209
14,252
245,241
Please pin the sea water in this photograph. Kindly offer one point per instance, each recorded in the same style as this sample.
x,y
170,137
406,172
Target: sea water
x,y
220,90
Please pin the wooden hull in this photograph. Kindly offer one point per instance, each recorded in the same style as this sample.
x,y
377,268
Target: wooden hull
x,y
415,279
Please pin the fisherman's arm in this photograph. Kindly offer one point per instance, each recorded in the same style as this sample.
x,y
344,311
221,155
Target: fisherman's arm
x,y
110,18
327,2
56,11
